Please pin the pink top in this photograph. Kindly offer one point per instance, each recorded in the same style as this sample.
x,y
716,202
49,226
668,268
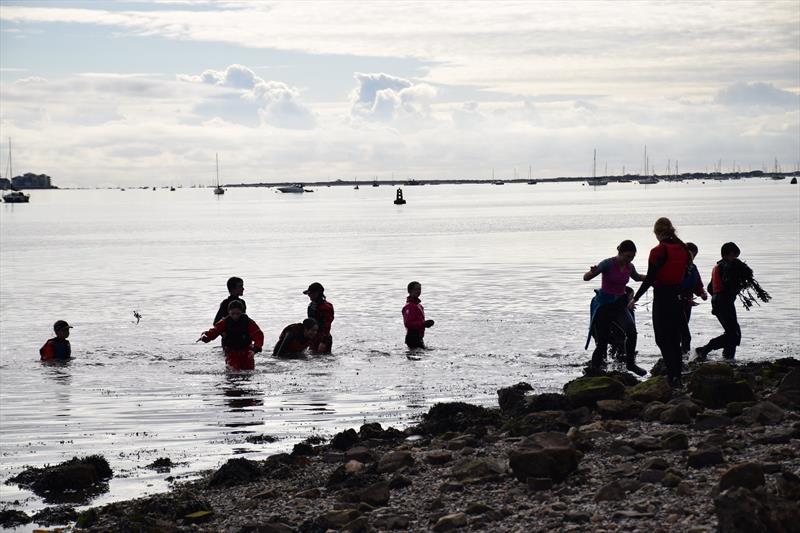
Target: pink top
x,y
615,279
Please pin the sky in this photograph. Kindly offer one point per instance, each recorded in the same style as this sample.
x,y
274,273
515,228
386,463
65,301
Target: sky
x,y
101,93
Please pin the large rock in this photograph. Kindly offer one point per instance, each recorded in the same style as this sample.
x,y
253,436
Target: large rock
x,y
234,472
655,389
705,457
376,495
72,481
450,522
747,475
547,401
544,455
676,414
588,390
394,461
512,399
791,381
740,510
477,469
714,385
460,417
766,413
339,517
619,409
345,440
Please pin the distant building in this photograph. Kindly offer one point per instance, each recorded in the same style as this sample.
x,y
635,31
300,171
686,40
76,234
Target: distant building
x,y
5,183
32,181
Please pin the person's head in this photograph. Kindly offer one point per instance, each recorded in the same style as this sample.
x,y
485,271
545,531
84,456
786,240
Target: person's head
x,y
663,229
235,286
626,251
235,310
730,251
310,328
692,247
315,291
414,289
61,328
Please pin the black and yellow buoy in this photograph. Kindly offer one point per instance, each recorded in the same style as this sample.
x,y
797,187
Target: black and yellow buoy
x,y
399,198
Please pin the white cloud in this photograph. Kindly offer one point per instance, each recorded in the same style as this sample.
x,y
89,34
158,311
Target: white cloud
x,y
383,97
757,94
275,103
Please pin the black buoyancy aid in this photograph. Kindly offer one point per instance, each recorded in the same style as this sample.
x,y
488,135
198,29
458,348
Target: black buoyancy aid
x,y
237,336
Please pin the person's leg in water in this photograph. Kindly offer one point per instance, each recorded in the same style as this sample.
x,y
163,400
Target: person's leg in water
x,y
414,340
600,331
625,321
667,318
731,336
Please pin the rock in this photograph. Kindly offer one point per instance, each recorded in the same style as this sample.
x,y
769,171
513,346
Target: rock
x,y
619,409
548,401
450,522
671,480
310,494
715,386
707,422
268,527
345,440
578,517
400,482
394,461
477,469
675,440
747,475
372,431
198,517
512,399
451,486
459,443
705,457
610,492
337,518
652,476
353,467
55,516
653,411
645,443
478,508
359,525
539,483
162,465
766,413
788,485
235,472
659,369
737,408
677,414
376,494
86,519
358,453
390,521
303,449
544,455
656,463
261,439
791,381
655,389
458,416
585,391
73,480
438,457
12,518
742,510
685,489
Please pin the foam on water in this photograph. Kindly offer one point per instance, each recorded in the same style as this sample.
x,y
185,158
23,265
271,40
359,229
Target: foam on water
x,y
501,269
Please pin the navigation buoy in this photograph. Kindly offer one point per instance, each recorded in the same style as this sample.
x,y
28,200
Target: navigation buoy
x,y
399,198
794,181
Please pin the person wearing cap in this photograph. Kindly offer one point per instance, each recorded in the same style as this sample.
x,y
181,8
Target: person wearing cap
x,y
243,337
57,348
321,310
414,317
295,338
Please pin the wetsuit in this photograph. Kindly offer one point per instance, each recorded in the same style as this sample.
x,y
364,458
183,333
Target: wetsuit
x,y
610,308
292,341
692,286
56,349
222,312
726,282
241,336
667,267
322,312
414,321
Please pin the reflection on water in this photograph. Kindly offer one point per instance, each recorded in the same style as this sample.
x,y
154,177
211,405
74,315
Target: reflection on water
x,y
501,270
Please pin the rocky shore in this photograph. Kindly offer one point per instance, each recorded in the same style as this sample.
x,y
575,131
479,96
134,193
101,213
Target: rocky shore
x,y
610,453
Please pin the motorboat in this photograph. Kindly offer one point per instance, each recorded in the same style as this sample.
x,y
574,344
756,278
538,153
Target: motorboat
x,y
16,197
296,188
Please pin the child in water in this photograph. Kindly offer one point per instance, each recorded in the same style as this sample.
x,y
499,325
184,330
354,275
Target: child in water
x,y
243,337
295,338
235,292
57,348
414,317
730,278
692,286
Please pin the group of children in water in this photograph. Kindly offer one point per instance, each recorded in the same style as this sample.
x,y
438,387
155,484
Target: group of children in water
x,y
675,281
671,272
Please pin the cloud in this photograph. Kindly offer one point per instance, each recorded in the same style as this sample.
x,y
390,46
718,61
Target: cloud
x,y
383,97
757,94
255,99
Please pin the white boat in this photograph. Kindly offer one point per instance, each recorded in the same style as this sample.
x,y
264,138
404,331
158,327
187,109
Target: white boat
x,y
296,188
13,197
648,181
218,189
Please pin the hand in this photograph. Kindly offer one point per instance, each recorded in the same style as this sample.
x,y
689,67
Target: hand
x,y
632,305
593,269
255,349
203,338
704,296
429,323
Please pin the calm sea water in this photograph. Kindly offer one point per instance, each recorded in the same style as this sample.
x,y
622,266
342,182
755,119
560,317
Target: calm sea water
x,y
501,269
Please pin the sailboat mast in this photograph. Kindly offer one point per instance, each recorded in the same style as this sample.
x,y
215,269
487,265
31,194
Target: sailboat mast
x,y
216,156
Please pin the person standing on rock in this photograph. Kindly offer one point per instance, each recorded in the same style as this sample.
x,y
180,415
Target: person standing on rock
x,y
58,348
730,278
414,317
609,307
243,337
321,310
692,286
667,267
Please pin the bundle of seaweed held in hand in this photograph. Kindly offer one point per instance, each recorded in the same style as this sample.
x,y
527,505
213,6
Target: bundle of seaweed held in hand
x,y
750,292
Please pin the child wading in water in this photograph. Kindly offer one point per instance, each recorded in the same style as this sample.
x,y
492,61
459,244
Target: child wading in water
x,y
57,348
243,337
414,317
692,286
730,278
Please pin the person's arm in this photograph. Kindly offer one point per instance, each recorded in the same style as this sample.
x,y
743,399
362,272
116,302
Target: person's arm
x,y
635,276
591,274
256,334
283,341
699,289
218,329
654,264
46,352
